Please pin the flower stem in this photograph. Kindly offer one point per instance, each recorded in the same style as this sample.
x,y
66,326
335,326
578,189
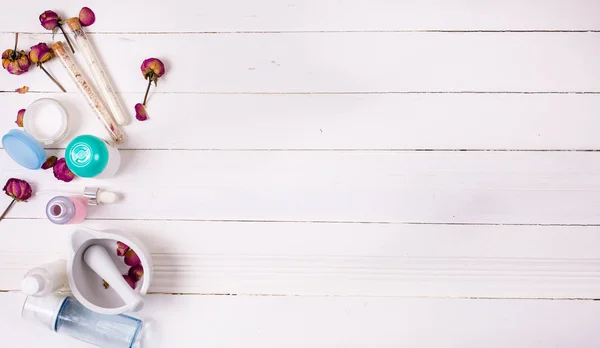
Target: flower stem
x,y
7,209
147,90
67,37
14,54
52,78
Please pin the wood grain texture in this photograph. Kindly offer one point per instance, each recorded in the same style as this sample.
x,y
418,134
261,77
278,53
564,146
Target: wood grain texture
x,y
320,15
337,259
282,321
341,62
322,122
352,186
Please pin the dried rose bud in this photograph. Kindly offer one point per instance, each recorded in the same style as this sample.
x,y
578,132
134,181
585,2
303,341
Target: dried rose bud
x,y
14,61
129,281
49,20
152,69
20,116
105,284
62,172
22,90
140,112
136,272
131,258
18,189
40,53
50,162
122,248
86,17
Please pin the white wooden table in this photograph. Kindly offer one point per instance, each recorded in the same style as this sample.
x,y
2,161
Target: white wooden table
x,y
338,173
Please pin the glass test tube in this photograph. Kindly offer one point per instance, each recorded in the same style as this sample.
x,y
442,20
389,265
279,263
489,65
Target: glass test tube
x,y
102,82
88,93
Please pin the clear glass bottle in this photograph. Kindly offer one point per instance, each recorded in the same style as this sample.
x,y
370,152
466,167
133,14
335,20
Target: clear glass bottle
x,y
45,279
67,316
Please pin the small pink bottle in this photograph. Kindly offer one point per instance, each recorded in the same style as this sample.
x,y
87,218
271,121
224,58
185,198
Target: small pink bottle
x,y
67,210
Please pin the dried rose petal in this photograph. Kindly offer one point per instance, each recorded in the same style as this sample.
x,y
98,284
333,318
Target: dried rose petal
x,y
20,116
129,281
131,258
50,162
62,172
86,17
140,112
136,272
122,248
18,189
105,284
22,90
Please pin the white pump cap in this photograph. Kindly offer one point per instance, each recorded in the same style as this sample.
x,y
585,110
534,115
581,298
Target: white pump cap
x,y
43,310
32,284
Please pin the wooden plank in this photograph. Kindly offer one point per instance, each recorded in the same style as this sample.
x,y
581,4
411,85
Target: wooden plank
x,y
384,121
360,186
256,321
342,62
319,15
336,259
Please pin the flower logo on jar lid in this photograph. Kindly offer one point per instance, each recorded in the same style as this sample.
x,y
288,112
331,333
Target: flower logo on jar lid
x,y
81,154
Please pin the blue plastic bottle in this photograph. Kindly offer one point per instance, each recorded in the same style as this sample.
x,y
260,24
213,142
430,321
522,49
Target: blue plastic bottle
x,y
67,316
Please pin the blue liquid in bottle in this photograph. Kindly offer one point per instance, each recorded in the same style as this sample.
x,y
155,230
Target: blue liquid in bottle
x,y
108,331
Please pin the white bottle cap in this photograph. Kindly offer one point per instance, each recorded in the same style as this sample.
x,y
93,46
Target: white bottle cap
x,y
107,197
32,284
43,310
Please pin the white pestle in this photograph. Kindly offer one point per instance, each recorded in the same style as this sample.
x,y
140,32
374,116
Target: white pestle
x,y
97,258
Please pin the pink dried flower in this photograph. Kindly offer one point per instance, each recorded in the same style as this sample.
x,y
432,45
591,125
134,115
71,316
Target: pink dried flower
x,y
20,116
140,112
129,281
50,20
62,172
122,248
136,273
50,162
39,54
131,258
152,69
14,61
19,190
86,17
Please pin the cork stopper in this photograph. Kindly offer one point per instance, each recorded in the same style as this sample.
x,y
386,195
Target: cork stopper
x,y
58,48
73,23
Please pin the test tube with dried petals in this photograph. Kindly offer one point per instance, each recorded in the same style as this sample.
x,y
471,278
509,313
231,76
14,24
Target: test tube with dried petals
x,y
88,93
102,82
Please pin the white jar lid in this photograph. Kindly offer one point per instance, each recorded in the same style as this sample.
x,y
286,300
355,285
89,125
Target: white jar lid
x,y
46,120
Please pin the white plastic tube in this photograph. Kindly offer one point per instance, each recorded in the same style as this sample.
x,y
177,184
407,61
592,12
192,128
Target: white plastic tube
x,y
102,82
